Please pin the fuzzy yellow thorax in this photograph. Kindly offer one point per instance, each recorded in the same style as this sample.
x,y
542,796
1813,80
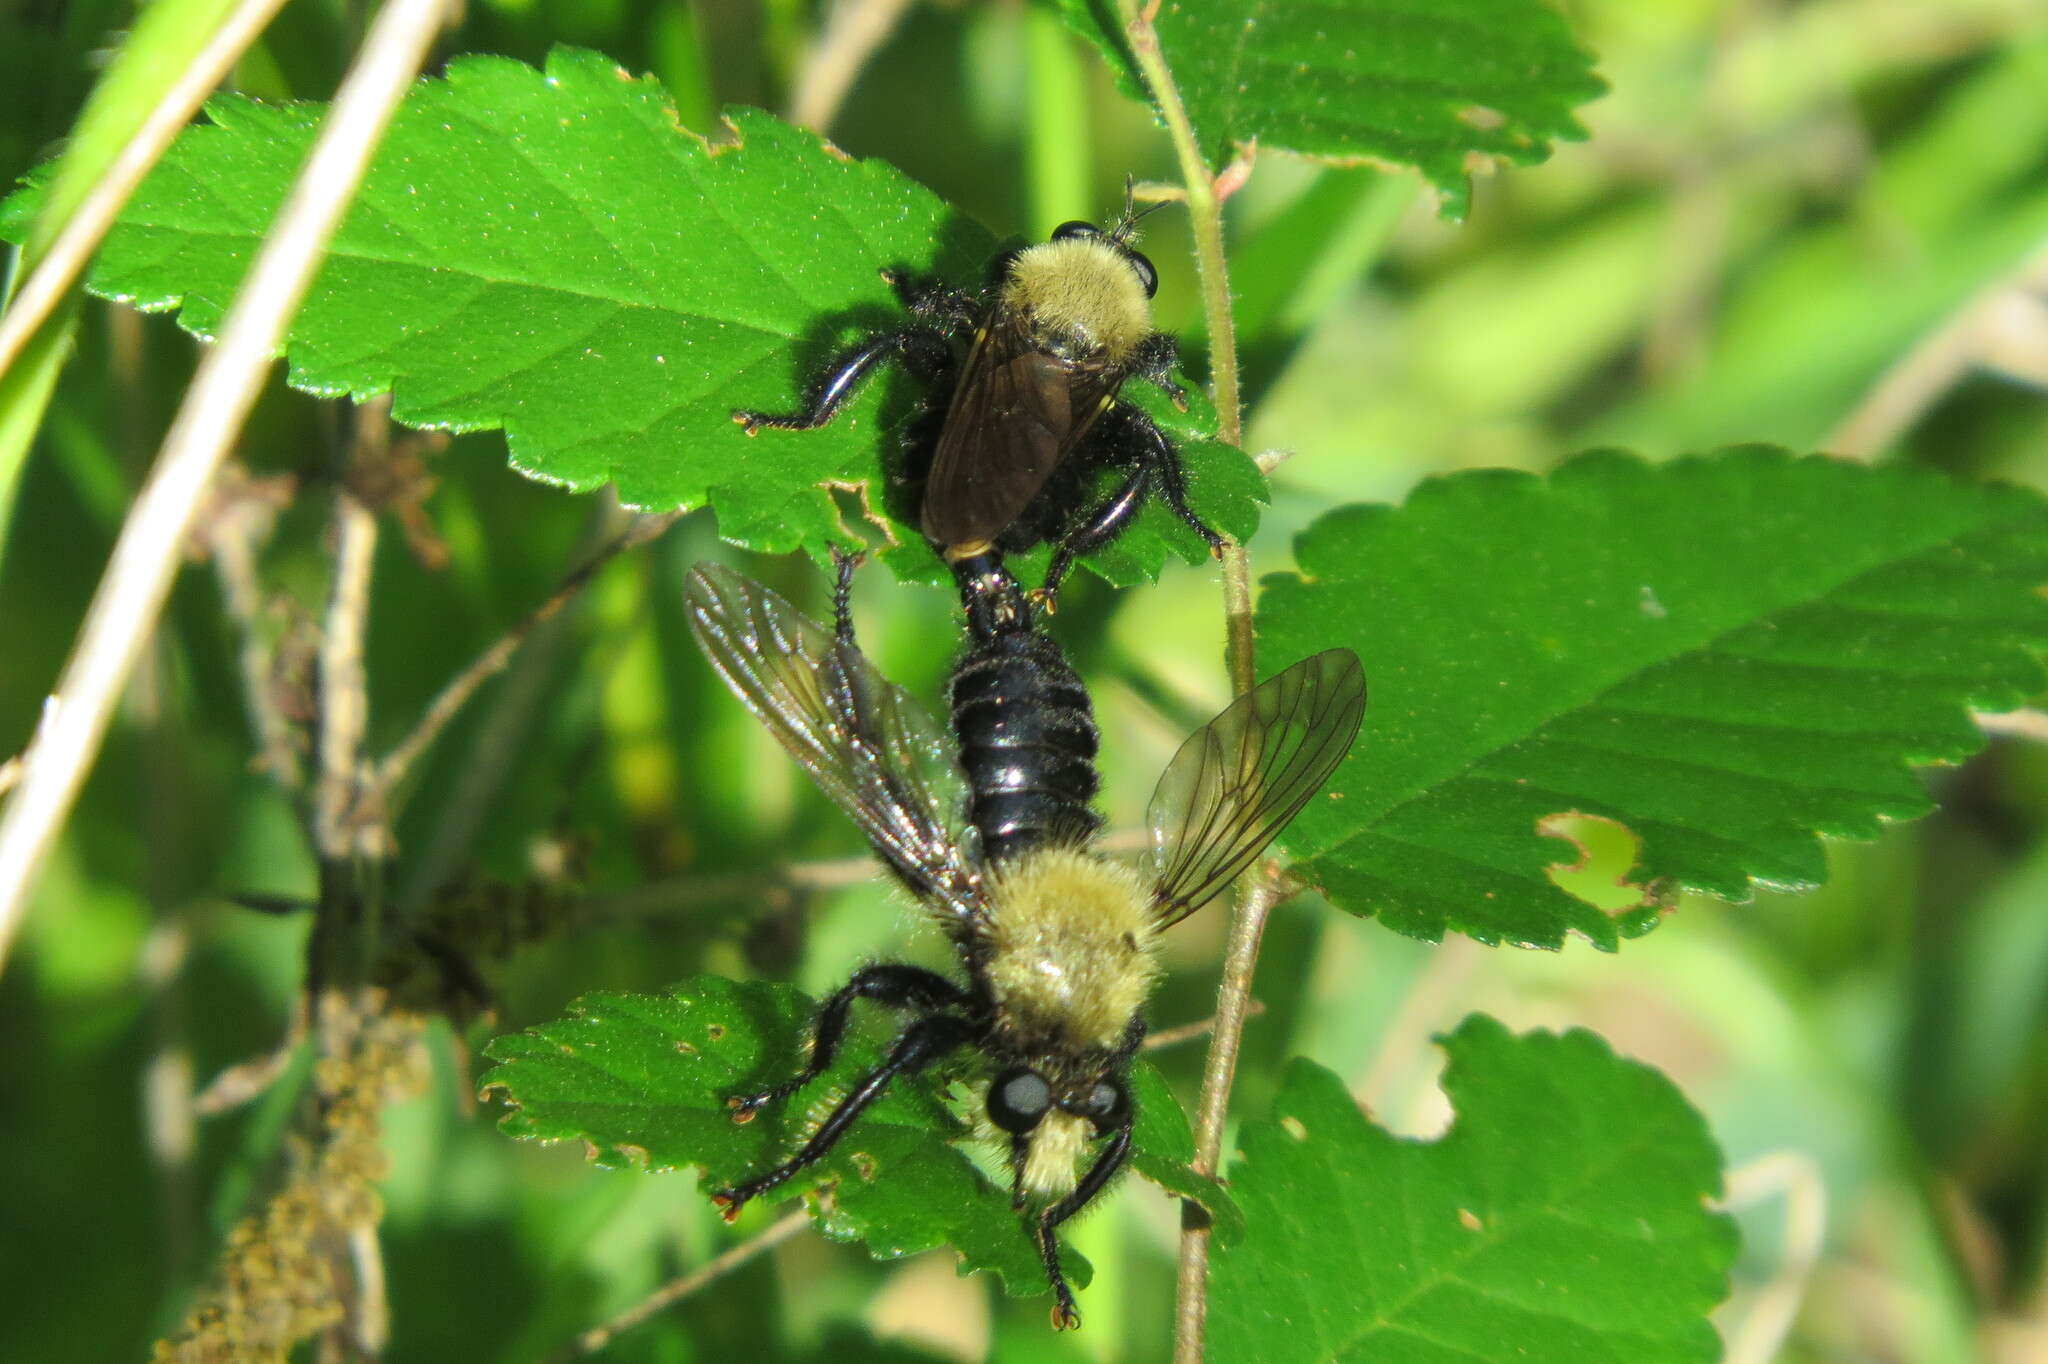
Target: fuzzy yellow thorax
x,y
1070,947
1081,288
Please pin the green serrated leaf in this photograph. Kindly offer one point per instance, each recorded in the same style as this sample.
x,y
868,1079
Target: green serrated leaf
x,y
643,1081
1728,654
1163,1149
552,254
1429,86
1561,1218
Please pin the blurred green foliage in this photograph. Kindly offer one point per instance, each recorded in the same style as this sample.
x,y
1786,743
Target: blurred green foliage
x,y
1774,205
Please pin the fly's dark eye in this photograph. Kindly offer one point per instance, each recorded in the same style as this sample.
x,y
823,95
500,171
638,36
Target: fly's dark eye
x,y
1146,274
1018,1099
1106,1105
1075,229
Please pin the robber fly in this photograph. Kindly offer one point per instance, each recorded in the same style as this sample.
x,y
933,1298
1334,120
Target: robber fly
x,y
992,834
1031,416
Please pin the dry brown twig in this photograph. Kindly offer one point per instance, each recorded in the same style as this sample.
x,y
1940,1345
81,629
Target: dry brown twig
x,y
138,576
1189,1032
853,30
344,825
2002,328
449,701
2029,724
244,1080
1795,1176
59,268
673,1292
241,514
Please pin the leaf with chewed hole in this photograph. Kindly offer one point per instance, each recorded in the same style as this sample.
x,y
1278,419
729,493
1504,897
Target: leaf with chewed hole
x,y
1434,86
551,254
1562,1219
1728,656
643,1080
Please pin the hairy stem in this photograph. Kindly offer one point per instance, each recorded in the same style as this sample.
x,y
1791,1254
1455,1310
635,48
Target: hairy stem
x,y
1258,895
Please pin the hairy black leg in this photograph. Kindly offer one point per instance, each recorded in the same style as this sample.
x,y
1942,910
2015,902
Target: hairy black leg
x,y
919,1045
851,702
895,986
934,299
1126,437
1064,1314
1155,360
924,350
1164,458
1104,524
843,565
1020,1152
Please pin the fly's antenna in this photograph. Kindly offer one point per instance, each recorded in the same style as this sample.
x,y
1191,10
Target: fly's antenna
x,y
1126,230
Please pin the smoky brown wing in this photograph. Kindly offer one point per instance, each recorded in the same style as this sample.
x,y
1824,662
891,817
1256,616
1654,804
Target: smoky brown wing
x,y
1016,413
866,743
1238,780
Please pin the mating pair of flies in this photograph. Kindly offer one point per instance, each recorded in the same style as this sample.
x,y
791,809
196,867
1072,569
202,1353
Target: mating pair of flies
x,y
991,827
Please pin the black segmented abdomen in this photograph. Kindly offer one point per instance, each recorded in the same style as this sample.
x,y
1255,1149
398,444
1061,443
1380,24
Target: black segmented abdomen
x,y
1027,739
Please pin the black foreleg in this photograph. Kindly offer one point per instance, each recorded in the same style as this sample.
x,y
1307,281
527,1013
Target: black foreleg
x,y
1157,357
1064,1314
922,1043
1164,458
924,350
896,986
1126,436
1103,525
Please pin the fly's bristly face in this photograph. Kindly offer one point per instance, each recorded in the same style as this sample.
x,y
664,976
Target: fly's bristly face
x,y
1051,1121
992,834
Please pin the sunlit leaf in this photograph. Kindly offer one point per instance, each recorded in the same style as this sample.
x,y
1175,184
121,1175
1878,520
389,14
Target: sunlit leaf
x,y
643,1080
1729,655
1430,86
550,253
1561,1220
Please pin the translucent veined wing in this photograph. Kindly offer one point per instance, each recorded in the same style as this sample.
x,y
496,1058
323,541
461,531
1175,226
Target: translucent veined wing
x,y
864,740
1017,412
1239,779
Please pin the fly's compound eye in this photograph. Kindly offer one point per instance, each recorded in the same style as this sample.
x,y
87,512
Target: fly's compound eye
x,y
1107,1105
1146,274
1018,1099
1075,229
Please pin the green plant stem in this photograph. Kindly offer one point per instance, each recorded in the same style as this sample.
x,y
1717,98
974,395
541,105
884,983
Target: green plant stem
x,y
1205,216
1256,899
